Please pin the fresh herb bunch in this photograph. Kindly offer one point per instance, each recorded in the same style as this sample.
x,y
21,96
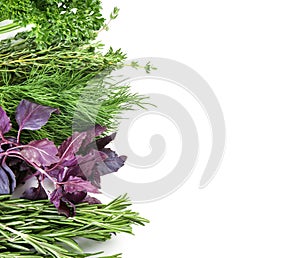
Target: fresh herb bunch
x,y
33,229
73,169
54,72
19,56
82,101
63,21
58,76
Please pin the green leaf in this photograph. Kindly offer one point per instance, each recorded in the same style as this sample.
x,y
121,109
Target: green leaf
x,y
71,243
55,237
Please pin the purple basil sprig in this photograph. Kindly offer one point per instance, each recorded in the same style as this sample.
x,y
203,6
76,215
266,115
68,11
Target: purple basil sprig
x,y
73,169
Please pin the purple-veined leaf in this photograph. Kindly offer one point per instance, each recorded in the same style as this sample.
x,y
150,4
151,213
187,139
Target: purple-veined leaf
x,y
11,177
5,124
87,166
4,182
69,147
55,196
21,169
91,200
7,179
88,161
76,197
32,116
40,152
77,184
93,132
113,161
62,205
35,193
65,202
102,142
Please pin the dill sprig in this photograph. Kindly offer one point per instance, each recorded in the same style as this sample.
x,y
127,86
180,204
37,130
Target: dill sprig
x,y
34,229
83,101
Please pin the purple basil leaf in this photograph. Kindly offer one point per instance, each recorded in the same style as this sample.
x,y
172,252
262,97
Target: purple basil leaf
x,y
21,169
41,152
88,161
102,142
91,200
57,198
92,133
66,208
56,173
64,202
88,166
69,147
74,171
95,177
9,143
35,193
11,176
113,162
77,184
5,124
4,182
32,116
76,197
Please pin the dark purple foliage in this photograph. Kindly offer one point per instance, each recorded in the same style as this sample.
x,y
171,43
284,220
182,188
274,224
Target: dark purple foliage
x,y
91,134
5,124
40,152
74,168
91,200
6,182
102,142
71,145
32,116
35,193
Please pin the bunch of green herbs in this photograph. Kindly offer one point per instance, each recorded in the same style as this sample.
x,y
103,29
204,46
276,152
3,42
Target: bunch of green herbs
x,y
64,21
58,63
62,72
34,229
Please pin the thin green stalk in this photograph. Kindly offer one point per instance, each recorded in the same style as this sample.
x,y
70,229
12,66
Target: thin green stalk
x,y
9,27
35,228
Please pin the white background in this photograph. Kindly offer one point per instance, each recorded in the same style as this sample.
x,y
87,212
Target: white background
x,y
249,53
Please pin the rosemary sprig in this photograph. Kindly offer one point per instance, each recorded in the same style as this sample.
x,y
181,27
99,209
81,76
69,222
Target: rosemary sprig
x,y
34,228
70,254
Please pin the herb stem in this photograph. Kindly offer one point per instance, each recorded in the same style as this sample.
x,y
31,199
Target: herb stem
x,y
9,27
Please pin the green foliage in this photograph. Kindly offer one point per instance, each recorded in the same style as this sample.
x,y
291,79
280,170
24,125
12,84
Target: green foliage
x,y
18,57
63,21
59,76
34,229
55,64
82,102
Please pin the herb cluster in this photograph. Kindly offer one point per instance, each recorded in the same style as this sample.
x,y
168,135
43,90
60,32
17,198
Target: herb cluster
x,y
74,168
27,226
55,80
57,71
63,21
